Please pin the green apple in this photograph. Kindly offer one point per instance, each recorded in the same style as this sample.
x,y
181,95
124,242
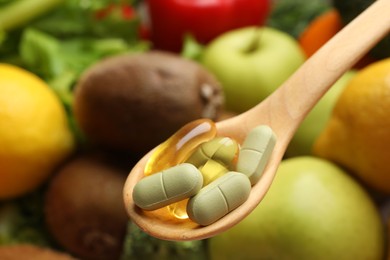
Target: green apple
x,y
251,63
313,211
316,120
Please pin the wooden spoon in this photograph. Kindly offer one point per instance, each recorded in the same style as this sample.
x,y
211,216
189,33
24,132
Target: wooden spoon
x,y
284,110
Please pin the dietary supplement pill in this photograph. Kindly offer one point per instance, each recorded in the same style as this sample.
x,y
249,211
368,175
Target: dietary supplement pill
x,y
219,198
168,186
221,149
215,158
179,146
255,152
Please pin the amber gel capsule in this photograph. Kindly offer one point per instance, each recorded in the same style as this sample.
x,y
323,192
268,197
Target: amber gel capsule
x,y
176,150
219,198
255,152
179,146
168,186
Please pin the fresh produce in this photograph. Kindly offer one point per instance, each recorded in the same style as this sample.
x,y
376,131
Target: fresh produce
x,y
140,245
322,29
349,10
293,16
59,49
319,31
34,133
313,210
66,45
315,122
135,102
20,12
22,221
60,40
21,251
358,133
251,63
84,209
125,11
171,20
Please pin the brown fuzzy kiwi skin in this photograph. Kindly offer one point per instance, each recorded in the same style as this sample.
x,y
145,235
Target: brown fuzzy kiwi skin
x,y
84,208
31,252
136,101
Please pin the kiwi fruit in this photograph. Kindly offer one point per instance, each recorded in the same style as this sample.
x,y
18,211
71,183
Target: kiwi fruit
x,y
136,101
31,252
84,209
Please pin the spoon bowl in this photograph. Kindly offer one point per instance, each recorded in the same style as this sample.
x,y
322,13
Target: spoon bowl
x,y
283,111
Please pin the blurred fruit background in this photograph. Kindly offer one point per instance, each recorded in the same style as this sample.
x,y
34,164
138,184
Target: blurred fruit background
x,y
87,87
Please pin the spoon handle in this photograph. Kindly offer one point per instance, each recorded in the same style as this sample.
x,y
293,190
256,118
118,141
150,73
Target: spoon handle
x,y
298,95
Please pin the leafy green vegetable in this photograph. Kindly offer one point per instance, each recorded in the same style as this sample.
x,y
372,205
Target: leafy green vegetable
x,y
77,18
49,57
22,221
191,48
14,14
139,245
74,36
41,52
293,16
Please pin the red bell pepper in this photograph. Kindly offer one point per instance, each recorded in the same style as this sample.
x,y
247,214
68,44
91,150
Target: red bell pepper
x,y
204,19
126,12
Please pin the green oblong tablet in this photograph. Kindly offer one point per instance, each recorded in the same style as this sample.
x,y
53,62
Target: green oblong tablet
x,y
255,152
219,198
168,186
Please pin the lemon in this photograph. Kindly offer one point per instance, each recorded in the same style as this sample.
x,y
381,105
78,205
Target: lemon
x,y
34,132
357,135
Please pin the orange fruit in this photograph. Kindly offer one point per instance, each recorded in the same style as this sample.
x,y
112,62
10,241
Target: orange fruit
x,y
34,132
357,135
319,31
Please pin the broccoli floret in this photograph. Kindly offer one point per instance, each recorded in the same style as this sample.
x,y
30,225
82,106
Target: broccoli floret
x,y
22,221
139,245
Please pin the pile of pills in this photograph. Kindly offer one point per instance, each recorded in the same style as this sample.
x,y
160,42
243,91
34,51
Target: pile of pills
x,y
201,176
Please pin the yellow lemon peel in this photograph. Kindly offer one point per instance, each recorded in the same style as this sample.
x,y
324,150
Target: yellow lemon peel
x,y
357,135
34,132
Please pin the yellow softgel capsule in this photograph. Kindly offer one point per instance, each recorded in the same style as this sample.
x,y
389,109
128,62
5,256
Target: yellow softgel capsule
x,y
179,146
211,170
176,150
